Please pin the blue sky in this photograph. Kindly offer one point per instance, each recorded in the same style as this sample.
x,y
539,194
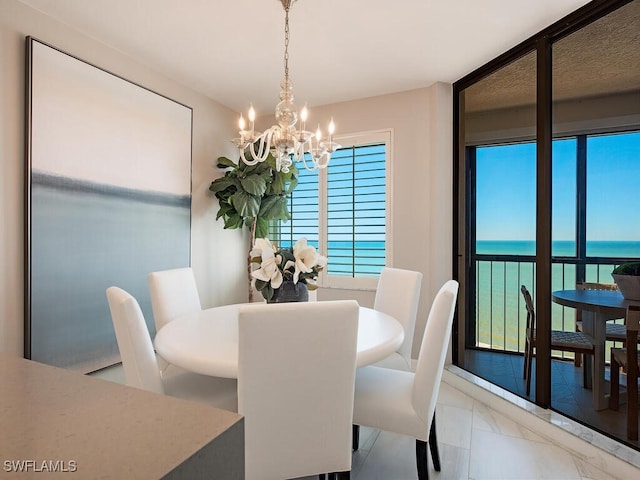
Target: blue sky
x,y
506,189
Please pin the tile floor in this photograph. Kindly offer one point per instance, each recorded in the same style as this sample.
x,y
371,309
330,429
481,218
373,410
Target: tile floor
x,y
568,395
476,443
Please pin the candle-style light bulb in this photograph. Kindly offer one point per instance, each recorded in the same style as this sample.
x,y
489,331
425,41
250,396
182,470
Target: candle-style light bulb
x,y
318,134
252,117
304,113
332,127
241,123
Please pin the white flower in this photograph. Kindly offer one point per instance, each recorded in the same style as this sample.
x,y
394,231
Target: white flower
x,y
306,258
269,271
259,245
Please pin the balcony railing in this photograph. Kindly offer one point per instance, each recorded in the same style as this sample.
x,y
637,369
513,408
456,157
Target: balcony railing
x,y
500,314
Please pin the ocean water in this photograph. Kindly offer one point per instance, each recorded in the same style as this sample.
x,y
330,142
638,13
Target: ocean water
x,y
500,312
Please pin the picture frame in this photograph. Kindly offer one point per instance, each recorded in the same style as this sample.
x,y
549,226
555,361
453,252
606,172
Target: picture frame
x,y
107,200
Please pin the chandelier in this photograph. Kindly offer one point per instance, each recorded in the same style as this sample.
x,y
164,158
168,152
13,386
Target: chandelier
x,y
283,140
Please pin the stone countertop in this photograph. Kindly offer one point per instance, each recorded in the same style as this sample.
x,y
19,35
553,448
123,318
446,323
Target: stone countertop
x,y
62,419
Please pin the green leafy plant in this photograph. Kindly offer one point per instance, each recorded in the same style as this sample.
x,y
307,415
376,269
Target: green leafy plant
x,y
629,268
252,195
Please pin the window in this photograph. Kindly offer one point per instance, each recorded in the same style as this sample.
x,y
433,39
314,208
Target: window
x,y
344,211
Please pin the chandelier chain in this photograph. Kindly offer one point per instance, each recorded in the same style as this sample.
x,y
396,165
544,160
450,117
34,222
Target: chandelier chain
x,y
286,42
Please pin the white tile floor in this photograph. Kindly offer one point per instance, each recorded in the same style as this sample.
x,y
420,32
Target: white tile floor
x,y
475,442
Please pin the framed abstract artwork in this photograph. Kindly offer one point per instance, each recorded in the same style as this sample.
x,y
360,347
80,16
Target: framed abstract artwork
x,y
107,200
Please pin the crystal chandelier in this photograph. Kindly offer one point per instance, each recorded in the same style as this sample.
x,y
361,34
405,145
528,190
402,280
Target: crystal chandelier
x,y
283,140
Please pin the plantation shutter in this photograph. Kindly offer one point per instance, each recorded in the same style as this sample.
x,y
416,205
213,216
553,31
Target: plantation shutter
x,y
356,211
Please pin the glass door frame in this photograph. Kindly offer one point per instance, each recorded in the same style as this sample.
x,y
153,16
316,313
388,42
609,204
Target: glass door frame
x,y
463,213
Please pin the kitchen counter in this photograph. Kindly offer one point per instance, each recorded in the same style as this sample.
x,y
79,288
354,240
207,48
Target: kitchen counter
x,y
55,420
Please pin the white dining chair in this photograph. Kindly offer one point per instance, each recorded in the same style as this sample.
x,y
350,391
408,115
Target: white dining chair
x,y
141,368
296,371
404,402
398,295
173,293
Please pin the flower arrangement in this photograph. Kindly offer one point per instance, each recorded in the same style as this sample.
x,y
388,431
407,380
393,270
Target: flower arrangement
x,y
300,263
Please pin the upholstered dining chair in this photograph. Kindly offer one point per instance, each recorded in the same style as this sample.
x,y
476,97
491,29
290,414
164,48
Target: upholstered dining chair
x,y
141,368
296,371
398,295
173,293
576,342
404,402
629,358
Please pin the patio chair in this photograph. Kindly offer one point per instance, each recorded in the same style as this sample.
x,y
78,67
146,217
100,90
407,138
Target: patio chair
x,y
630,360
615,332
577,342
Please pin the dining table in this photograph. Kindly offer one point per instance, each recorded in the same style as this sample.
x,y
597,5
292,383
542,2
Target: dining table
x,y
598,307
206,341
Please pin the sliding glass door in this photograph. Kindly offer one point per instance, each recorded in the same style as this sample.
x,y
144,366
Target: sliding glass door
x,y
547,168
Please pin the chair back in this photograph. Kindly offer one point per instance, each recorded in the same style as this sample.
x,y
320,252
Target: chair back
x,y
594,286
531,313
296,374
136,350
433,351
173,293
398,295
633,323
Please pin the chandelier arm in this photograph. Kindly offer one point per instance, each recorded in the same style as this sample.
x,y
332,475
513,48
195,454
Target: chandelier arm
x,y
264,145
314,166
244,158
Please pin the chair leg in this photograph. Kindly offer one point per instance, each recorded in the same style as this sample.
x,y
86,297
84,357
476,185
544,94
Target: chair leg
x,y
526,359
433,444
422,461
528,363
587,370
577,357
632,396
355,437
614,397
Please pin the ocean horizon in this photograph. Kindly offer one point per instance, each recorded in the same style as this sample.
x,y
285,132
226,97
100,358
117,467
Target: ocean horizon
x,y
560,248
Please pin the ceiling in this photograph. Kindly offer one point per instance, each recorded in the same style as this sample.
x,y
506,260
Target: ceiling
x,y
599,60
232,50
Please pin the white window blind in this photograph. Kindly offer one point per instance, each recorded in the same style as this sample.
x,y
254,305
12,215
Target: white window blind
x,y
344,211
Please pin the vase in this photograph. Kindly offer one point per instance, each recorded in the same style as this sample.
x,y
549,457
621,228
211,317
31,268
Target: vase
x,y
290,292
629,285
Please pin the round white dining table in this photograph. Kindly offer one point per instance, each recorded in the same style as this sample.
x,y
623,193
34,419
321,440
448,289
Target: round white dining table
x,y
206,342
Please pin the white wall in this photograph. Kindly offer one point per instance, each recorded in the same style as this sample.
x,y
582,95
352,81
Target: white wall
x,y
421,121
216,254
